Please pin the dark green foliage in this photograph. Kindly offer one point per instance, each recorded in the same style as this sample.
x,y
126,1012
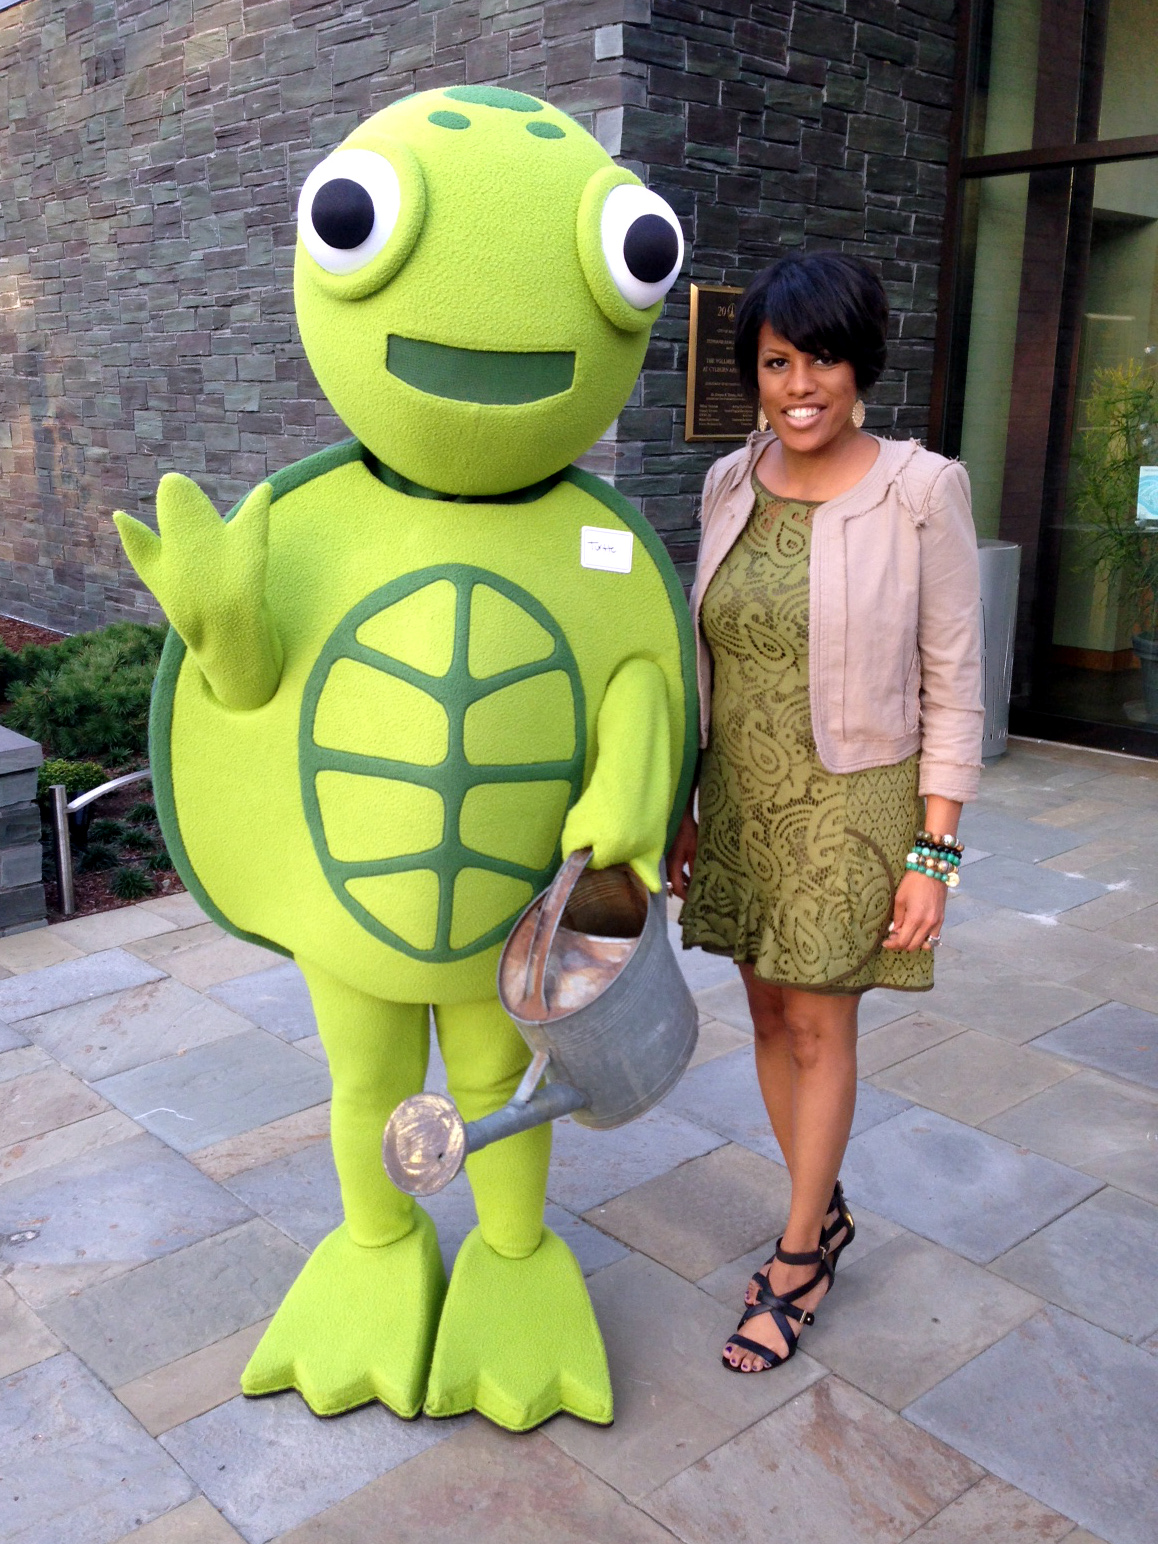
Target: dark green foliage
x,y
138,840
106,830
77,777
160,861
96,857
131,884
142,814
88,696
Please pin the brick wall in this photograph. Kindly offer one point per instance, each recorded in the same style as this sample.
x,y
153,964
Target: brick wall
x,y
151,152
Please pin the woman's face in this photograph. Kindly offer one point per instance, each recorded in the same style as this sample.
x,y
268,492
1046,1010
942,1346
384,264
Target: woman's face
x,y
807,398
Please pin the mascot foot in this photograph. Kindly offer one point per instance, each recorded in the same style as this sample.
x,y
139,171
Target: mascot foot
x,y
518,1340
357,1325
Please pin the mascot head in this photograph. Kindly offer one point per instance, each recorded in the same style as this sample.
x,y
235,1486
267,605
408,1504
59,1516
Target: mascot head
x,y
475,283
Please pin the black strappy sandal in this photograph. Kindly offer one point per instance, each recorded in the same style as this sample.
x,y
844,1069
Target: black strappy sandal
x,y
843,1220
783,1308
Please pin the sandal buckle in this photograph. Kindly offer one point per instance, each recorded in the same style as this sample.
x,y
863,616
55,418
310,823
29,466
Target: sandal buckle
x,y
809,1318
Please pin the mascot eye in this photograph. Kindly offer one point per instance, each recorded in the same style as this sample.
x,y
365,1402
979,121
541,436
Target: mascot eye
x,y
348,209
643,244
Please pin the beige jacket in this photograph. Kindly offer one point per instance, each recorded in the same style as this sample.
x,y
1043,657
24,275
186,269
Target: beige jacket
x,y
894,630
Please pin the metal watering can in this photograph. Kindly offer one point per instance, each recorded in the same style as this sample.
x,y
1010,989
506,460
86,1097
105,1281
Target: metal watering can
x,y
589,978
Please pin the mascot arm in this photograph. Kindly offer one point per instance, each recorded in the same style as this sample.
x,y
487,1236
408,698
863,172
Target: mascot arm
x,y
209,577
622,814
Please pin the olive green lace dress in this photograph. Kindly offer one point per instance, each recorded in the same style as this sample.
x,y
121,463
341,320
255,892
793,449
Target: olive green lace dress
x,y
796,867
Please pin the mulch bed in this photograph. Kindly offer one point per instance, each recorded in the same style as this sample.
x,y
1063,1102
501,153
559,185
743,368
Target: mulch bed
x,y
15,634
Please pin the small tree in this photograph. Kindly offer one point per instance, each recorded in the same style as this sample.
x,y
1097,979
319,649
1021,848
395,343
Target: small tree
x,y
1119,437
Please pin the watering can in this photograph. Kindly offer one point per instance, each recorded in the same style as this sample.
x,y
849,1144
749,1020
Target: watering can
x,y
591,982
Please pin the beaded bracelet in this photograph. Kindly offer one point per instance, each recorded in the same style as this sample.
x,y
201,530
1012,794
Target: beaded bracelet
x,y
936,858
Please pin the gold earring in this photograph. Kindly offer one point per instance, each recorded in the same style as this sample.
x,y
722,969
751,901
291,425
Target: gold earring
x,y
857,413
761,421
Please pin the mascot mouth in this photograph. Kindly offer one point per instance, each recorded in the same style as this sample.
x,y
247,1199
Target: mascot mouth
x,y
478,375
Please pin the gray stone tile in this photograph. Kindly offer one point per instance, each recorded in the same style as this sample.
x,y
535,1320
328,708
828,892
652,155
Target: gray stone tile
x,y
81,1471
143,1024
907,1315
716,1039
959,1187
724,1096
674,1399
1000,832
1132,979
972,1076
897,1041
1140,927
1099,1260
1009,944
1115,906
194,1523
164,1310
72,981
728,1282
1067,1413
995,1513
963,907
1013,1005
64,1143
1091,1123
882,1007
588,1167
42,1101
830,1467
298,1193
23,1338
20,1060
1028,887
269,1464
277,1000
1114,1038
700,969
10,1038
122,1204
218,1091
181,1390
728,1002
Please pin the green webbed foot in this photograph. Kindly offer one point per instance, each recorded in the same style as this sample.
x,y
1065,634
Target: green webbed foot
x,y
357,1325
518,1340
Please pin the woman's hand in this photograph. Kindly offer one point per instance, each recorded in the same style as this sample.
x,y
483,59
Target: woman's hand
x,y
918,912
682,857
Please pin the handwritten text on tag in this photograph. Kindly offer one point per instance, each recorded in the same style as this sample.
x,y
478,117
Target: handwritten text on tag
x,y
609,550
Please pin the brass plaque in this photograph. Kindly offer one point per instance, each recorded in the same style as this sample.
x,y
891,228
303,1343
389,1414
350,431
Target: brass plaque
x,y
718,407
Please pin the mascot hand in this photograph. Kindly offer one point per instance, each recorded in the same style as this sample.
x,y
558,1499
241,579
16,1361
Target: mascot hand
x,y
623,813
209,577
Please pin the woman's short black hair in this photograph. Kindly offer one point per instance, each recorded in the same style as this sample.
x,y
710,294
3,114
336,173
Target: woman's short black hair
x,y
822,302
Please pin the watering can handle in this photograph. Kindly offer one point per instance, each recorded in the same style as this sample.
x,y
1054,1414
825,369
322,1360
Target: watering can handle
x,y
547,925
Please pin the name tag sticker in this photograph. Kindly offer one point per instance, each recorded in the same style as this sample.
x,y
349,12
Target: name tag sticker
x,y
608,550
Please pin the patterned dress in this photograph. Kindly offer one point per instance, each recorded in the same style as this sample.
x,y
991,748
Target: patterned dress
x,y
796,867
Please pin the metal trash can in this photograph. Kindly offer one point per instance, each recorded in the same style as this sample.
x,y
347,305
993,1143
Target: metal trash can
x,y
1000,568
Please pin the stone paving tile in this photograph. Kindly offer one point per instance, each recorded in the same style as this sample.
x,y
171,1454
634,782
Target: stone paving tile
x,y
972,1076
179,1303
1092,1123
1099,1260
830,1467
702,1214
180,909
1113,1038
143,1024
73,981
264,1144
194,1523
1083,814
1014,1008
1115,906
728,1002
1067,1413
10,1038
65,1144
999,832
119,1205
959,1187
909,1314
1029,887
1009,945
206,963
109,929
723,1096
896,1042
298,1193
312,1046
879,1007
1132,980
192,936
716,1039
589,1167
42,1101
485,1486
700,969
82,1470
277,999
995,1513
219,1090
1139,872
22,1059
35,950
24,1338
674,1399
963,907
1139,927
171,1395
269,1464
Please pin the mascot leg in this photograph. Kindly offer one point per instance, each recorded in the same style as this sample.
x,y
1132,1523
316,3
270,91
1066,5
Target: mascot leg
x,y
517,1339
358,1324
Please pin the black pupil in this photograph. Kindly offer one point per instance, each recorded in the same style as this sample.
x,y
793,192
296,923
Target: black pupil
x,y
343,213
650,248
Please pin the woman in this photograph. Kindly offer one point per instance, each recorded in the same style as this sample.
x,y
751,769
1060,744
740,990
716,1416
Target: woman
x,y
837,609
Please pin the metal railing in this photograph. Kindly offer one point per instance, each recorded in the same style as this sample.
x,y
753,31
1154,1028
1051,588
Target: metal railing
x,y
61,808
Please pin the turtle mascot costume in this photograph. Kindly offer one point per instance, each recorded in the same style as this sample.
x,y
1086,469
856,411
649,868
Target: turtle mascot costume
x,y
409,674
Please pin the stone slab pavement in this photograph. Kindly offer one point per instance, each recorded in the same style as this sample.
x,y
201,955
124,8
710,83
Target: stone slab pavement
x,y
987,1369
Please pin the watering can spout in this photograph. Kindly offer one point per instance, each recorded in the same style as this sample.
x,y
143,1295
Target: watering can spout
x,y
426,1141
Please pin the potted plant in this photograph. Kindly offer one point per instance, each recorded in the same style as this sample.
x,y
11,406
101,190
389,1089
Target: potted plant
x,y
1118,438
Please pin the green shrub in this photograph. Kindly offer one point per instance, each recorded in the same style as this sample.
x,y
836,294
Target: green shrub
x,y
136,840
160,861
142,814
97,856
106,830
131,884
89,695
77,776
